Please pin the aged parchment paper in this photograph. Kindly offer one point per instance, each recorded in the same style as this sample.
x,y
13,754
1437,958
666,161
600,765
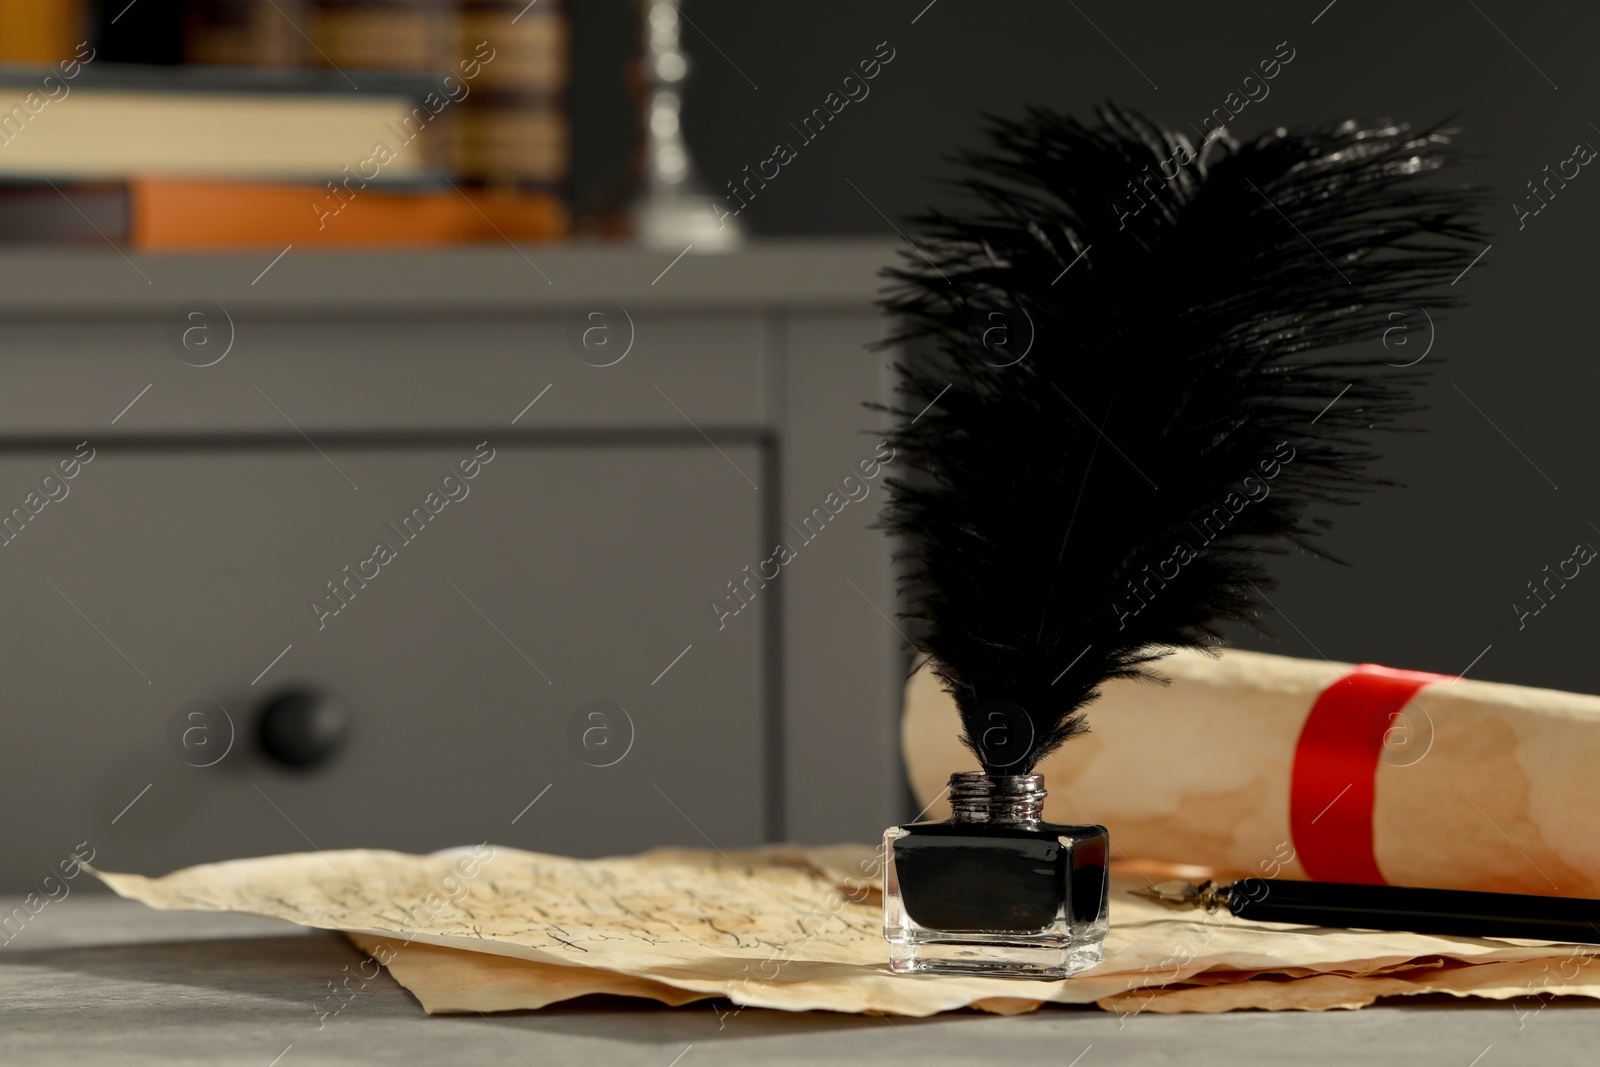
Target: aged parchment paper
x,y
490,929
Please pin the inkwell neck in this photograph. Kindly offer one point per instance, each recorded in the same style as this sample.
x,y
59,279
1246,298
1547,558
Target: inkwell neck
x,y
996,798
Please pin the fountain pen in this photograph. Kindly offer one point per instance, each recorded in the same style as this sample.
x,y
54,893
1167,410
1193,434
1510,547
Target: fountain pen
x,y
1452,912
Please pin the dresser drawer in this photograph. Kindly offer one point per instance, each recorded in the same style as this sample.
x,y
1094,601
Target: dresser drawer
x,y
559,576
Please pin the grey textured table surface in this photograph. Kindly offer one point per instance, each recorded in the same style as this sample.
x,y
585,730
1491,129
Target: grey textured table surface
x,y
94,980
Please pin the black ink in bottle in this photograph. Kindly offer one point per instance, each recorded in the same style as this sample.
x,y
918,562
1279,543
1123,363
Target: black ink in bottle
x,y
995,890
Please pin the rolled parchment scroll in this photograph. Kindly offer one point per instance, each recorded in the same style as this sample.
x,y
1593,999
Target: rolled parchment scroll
x,y
1271,766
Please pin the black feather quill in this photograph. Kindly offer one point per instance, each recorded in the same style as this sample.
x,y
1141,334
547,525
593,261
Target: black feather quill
x,y
1139,388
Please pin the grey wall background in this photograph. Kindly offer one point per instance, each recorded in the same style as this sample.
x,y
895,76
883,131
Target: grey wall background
x,y
1436,566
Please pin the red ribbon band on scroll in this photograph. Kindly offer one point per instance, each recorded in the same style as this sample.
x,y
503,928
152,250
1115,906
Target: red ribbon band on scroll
x,y
1332,788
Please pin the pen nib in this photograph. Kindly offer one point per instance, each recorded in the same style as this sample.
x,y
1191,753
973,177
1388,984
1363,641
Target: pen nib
x,y
1176,894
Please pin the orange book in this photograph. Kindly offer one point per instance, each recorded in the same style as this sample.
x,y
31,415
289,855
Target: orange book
x,y
173,215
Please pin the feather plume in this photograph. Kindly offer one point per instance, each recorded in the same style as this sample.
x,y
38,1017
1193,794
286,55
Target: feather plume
x,y
1145,376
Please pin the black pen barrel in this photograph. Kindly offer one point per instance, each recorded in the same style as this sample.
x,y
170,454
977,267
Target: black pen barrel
x,y
1453,912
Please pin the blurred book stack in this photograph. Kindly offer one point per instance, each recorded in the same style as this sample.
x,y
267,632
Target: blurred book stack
x,y
189,124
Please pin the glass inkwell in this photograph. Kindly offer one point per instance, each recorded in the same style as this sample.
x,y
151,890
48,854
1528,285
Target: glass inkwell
x,y
995,890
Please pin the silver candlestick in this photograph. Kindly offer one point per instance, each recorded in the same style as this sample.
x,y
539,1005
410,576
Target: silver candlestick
x,y
674,210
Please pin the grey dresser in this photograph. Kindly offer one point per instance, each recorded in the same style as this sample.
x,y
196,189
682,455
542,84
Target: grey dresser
x,y
577,538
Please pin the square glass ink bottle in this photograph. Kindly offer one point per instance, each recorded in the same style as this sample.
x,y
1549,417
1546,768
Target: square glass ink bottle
x,y
994,890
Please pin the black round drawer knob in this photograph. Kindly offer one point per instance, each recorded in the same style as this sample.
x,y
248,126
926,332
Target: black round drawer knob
x,y
302,728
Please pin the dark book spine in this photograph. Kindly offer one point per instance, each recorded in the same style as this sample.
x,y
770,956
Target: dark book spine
x,y
247,33
515,129
150,31
417,35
